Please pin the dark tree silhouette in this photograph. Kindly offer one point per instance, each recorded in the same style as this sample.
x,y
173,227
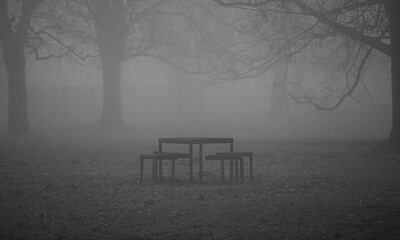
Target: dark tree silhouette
x,y
13,42
117,32
123,30
350,29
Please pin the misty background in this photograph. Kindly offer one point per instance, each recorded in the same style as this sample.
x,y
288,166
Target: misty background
x,y
157,99
63,95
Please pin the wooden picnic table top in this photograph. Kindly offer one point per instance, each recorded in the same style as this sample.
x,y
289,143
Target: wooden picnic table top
x,y
195,140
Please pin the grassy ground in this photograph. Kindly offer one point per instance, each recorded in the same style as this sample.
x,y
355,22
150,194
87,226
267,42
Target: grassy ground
x,y
87,188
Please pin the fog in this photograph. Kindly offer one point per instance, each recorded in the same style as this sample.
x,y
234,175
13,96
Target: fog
x,y
62,96
158,99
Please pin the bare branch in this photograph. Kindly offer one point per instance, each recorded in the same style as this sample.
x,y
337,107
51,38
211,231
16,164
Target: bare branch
x,y
319,106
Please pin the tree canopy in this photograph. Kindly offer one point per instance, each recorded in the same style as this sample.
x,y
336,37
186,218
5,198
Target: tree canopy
x,y
345,34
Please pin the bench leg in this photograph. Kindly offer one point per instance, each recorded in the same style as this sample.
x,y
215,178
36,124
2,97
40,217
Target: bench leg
x,y
236,171
222,170
154,170
231,169
173,169
191,162
200,162
241,170
160,170
141,169
251,167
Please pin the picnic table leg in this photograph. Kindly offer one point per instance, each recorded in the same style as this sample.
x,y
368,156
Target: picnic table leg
x,y
231,169
141,169
160,169
159,150
241,170
154,171
159,146
231,161
200,162
251,167
236,171
191,162
173,169
222,170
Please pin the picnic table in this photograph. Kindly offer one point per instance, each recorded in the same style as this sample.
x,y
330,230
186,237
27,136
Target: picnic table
x,y
191,141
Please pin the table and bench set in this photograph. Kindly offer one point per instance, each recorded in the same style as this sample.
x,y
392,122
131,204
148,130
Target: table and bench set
x,y
236,159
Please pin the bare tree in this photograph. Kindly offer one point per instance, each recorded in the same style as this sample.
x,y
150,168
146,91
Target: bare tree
x,y
5,25
103,31
346,33
110,32
121,27
120,30
106,32
13,42
28,27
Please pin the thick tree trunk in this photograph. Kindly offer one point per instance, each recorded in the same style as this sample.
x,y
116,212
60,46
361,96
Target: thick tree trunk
x,y
13,45
392,8
174,94
279,114
111,34
394,139
111,115
14,58
111,57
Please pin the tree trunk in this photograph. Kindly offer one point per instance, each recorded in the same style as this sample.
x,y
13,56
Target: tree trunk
x,y
279,114
111,34
13,45
392,8
14,58
111,115
174,95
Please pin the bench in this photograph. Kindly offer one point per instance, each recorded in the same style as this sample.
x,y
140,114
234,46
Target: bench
x,y
157,158
234,158
249,156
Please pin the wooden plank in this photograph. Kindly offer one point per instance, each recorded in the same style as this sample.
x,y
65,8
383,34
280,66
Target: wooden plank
x,y
223,156
158,156
177,154
195,140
